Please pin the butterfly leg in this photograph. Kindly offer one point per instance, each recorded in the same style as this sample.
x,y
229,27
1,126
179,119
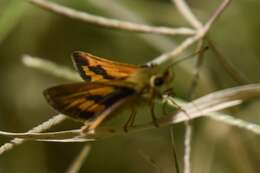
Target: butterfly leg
x,y
170,93
153,114
167,92
153,93
164,108
133,118
130,120
179,108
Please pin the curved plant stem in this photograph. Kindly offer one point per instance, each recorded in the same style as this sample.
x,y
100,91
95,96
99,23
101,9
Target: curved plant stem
x,y
110,23
40,128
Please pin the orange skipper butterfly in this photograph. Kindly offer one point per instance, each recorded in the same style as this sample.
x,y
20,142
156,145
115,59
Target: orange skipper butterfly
x,y
107,86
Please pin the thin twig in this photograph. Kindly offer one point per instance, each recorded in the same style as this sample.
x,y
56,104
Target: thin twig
x,y
191,18
77,163
50,67
110,23
217,14
187,14
191,40
178,50
187,148
255,128
119,9
61,136
188,125
40,128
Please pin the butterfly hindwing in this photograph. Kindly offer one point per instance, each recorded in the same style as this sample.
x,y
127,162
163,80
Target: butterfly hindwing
x,y
92,68
84,101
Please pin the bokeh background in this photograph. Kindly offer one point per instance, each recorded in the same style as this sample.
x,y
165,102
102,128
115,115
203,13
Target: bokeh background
x,y
216,147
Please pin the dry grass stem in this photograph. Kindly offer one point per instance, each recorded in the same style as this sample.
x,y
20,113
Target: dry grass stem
x,y
187,14
217,14
254,128
51,68
187,148
77,163
40,128
110,23
188,125
191,40
61,136
119,9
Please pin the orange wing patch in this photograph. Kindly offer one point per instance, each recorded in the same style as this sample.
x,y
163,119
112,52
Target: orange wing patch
x,y
85,101
92,68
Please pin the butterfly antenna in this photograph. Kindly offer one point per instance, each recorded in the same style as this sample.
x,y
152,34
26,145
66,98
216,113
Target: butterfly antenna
x,y
174,151
189,56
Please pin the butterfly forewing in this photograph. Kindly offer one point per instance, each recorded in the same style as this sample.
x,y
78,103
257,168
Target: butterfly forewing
x,y
92,68
84,101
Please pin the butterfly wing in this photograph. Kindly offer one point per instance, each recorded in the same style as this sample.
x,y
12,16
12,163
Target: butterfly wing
x,y
86,101
92,68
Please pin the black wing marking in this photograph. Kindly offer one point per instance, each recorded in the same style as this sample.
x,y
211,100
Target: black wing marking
x,y
84,101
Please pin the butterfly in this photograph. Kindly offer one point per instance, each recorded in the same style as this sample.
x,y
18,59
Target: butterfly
x,y
107,86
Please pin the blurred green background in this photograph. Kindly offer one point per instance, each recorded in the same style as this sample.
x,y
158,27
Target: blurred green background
x,y
216,147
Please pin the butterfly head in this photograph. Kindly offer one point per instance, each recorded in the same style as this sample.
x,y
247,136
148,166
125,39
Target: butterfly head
x,y
162,79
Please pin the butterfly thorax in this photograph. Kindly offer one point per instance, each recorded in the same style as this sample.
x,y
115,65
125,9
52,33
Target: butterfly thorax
x,y
150,78
140,79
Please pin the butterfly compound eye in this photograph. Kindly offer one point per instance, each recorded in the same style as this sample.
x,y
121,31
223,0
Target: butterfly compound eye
x,y
157,81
